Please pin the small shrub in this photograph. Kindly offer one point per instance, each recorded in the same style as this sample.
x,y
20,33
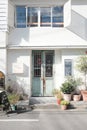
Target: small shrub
x,y
64,102
67,88
13,98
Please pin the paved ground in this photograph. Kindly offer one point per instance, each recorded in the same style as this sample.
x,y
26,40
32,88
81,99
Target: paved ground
x,y
44,120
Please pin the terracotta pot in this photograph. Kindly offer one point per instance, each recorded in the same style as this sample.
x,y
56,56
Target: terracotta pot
x,y
84,95
58,101
76,97
63,107
67,97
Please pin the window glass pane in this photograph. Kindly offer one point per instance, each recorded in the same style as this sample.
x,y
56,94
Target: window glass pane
x,y
32,16
57,16
45,16
20,16
49,65
37,64
68,67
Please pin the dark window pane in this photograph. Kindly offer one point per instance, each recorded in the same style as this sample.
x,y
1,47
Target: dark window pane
x,y
37,64
49,65
32,16
20,16
57,16
37,72
45,19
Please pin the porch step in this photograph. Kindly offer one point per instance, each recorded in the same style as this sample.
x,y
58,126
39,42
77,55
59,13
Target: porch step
x,y
41,100
78,104
24,104
51,103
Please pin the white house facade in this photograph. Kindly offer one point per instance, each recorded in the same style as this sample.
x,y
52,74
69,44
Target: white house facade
x,y
40,42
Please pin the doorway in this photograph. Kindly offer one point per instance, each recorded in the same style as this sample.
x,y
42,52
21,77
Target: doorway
x,y
42,72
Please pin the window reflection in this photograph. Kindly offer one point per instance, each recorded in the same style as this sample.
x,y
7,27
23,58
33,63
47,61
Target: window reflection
x,y
49,65
57,17
32,16
45,17
20,16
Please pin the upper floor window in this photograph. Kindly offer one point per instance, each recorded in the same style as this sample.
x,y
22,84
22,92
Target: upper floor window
x,y
45,16
57,16
20,16
39,16
32,17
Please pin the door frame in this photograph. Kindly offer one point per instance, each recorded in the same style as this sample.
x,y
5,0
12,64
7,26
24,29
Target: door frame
x,y
42,77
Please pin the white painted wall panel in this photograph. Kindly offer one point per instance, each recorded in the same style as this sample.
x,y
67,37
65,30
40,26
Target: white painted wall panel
x,y
3,39
20,57
44,37
79,18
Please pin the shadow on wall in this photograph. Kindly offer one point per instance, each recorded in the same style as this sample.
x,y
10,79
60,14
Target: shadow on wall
x,y
19,35
78,25
17,84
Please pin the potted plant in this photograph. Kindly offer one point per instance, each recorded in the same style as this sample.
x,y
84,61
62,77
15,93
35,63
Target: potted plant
x,y
67,89
82,67
76,96
64,104
59,97
55,92
76,82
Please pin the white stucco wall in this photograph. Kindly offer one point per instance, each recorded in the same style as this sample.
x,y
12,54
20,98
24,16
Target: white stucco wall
x,y
19,69
79,18
3,60
60,56
3,39
45,37
58,74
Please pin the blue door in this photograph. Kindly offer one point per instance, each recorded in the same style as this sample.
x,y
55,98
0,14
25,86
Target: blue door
x,y
42,76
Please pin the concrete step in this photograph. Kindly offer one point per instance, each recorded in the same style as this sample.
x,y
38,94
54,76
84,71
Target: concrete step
x,y
51,103
78,104
41,100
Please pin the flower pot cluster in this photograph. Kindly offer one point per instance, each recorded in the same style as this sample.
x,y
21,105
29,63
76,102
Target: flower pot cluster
x,y
68,92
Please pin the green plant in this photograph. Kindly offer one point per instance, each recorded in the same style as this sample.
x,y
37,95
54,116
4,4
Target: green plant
x,y
74,81
55,91
13,98
59,95
82,66
64,102
67,87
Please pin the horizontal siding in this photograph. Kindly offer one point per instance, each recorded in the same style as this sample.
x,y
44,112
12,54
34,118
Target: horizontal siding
x,y
3,14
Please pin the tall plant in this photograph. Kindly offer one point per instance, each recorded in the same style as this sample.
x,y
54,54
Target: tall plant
x,y
82,66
